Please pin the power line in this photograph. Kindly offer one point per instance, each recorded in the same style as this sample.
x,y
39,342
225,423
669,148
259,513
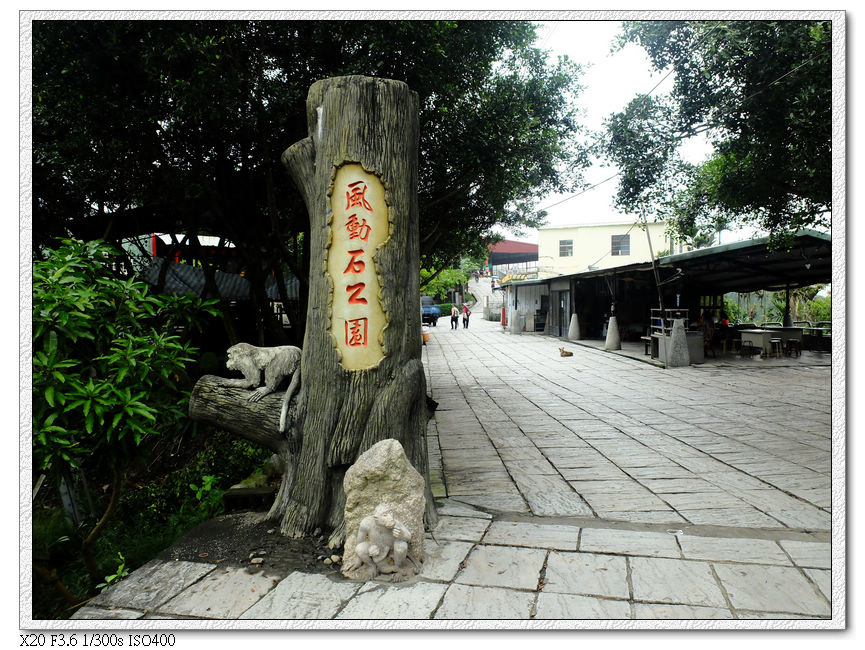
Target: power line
x,y
688,135
583,192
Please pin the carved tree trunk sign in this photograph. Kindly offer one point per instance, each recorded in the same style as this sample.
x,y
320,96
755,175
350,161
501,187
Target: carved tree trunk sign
x,y
362,378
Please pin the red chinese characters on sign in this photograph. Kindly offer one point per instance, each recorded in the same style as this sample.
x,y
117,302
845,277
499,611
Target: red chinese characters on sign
x,y
355,264
354,290
356,196
359,227
355,332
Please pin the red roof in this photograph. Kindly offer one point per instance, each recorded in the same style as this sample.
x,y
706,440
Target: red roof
x,y
510,246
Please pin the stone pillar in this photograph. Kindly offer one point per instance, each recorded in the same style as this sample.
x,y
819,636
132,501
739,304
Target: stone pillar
x,y
677,352
613,342
574,329
514,322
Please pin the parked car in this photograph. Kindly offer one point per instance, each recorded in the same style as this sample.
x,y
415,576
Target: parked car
x,y
430,312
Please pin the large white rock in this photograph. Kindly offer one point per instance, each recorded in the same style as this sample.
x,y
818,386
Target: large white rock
x,y
383,475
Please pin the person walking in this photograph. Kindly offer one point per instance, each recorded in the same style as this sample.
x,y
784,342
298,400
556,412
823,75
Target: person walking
x,y
466,314
455,317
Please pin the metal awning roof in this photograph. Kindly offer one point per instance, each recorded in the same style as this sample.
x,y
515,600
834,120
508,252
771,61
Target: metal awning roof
x,y
186,279
750,265
742,266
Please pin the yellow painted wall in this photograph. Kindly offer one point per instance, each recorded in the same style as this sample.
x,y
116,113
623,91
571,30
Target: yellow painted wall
x,y
592,245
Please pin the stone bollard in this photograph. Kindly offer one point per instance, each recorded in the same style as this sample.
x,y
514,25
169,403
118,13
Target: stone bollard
x,y
613,342
514,322
574,329
677,354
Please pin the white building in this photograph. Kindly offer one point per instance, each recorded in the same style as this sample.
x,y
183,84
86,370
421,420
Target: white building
x,y
563,250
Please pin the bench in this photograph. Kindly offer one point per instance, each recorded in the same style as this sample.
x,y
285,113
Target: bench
x,y
647,340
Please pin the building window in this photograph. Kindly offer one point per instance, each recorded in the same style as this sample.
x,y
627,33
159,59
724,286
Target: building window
x,y
566,247
621,245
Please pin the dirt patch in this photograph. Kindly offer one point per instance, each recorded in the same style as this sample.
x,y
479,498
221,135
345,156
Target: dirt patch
x,y
236,539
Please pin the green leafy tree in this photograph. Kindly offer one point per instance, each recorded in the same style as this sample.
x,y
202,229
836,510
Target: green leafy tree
x,y
818,308
108,368
178,127
804,303
439,286
761,92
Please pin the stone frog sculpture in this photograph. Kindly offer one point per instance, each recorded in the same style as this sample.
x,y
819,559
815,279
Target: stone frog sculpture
x,y
382,546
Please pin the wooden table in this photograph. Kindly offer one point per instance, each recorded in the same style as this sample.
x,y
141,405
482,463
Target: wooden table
x,y
786,333
760,338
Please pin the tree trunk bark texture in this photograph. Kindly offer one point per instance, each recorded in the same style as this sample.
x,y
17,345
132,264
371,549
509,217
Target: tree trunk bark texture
x,y
368,125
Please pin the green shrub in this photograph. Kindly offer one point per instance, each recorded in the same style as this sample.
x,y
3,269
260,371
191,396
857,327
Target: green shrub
x,y
108,371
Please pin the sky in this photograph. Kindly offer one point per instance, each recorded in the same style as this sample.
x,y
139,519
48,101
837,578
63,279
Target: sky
x,y
610,80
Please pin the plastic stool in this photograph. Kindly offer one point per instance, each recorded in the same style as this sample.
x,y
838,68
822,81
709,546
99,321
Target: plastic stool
x,y
794,348
777,347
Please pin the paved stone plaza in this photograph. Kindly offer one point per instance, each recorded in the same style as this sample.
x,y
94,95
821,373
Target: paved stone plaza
x,y
587,487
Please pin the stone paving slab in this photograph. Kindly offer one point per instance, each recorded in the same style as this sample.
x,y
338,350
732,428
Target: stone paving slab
x,y
737,517
379,601
809,554
503,566
725,549
153,584
450,508
90,613
632,502
469,529
678,485
303,596
443,559
629,542
508,502
704,501
511,533
552,504
587,574
683,612
675,582
224,593
807,518
823,579
648,517
462,602
770,589
569,606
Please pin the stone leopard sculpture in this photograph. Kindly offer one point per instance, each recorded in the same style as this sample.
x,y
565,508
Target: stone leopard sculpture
x,y
277,362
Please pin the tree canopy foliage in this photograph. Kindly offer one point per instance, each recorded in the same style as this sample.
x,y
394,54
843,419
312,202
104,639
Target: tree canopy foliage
x,y
178,127
761,91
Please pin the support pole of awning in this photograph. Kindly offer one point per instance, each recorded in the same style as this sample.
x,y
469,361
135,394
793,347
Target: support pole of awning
x,y
657,283
788,317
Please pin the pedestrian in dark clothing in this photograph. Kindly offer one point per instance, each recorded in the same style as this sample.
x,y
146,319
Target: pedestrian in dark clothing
x,y
455,317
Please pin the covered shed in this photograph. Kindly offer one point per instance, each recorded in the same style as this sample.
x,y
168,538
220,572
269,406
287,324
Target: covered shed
x,y
693,281
511,255
751,265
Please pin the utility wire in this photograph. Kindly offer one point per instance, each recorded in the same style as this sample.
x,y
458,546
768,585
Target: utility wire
x,y
686,135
